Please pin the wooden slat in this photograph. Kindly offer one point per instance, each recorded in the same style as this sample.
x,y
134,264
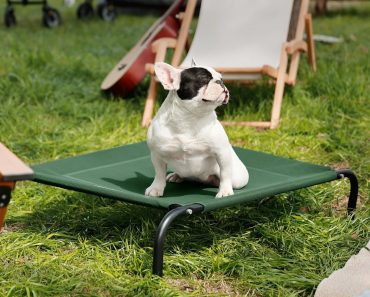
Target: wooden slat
x,y
310,42
11,167
296,45
150,102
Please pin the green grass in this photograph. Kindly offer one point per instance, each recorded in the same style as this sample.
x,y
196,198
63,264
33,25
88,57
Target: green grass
x,y
63,243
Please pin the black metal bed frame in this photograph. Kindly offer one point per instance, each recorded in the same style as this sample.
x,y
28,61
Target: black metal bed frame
x,y
179,211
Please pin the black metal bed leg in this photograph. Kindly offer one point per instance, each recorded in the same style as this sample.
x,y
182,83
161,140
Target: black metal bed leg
x,y
162,232
352,199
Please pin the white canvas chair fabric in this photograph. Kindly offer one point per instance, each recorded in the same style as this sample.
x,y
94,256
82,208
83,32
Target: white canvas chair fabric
x,y
240,33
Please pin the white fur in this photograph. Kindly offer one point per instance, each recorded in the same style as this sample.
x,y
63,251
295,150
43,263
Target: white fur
x,y
186,136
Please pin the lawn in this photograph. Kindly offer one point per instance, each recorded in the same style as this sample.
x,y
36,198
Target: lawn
x,y
63,243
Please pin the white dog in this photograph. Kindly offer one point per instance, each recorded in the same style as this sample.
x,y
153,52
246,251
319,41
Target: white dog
x,y
186,136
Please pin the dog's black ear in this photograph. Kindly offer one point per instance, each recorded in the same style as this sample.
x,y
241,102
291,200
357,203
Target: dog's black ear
x,y
168,76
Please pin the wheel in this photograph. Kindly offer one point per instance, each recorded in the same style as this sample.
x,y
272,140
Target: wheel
x,y
106,12
85,11
9,17
51,18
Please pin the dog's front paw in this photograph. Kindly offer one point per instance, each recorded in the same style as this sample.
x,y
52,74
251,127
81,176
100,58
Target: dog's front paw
x,y
224,192
154,191
174,178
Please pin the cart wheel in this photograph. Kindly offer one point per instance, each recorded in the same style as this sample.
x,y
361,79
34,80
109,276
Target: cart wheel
x,y
85,11
9,17
106,12
51,18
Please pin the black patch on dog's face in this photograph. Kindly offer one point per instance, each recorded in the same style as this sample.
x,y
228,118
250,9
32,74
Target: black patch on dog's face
x,y
191,81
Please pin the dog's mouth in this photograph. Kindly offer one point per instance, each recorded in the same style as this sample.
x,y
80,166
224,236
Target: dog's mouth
x,y
225,100
227,97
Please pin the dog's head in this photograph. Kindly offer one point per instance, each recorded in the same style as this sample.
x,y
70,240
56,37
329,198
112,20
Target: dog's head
x,y
198,87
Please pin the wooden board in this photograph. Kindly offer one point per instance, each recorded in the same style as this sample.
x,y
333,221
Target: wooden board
x,y
11,167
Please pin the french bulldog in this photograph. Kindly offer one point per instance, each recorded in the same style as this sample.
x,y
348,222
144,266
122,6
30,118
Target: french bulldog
x,y
186,136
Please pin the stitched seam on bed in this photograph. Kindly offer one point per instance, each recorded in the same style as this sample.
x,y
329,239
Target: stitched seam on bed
x,y
104,166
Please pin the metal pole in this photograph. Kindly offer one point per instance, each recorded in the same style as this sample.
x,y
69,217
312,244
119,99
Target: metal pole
x,y
352,199
162,232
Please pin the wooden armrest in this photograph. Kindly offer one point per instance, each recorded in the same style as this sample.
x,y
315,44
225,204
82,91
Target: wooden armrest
x,y
296,45
163,44
270,71
11,167
159,47
149,68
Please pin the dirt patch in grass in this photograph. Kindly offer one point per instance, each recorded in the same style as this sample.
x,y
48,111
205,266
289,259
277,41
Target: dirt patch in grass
x,y
340,165
339,206
13,227
212,287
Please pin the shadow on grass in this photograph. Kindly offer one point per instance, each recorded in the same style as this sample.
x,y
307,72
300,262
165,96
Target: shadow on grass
x,y
97,219
135,96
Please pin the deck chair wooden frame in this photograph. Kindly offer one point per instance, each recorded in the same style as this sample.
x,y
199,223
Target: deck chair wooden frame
x,y
285,73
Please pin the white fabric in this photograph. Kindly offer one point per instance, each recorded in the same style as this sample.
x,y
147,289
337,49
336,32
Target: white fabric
x,y
240,33
352,280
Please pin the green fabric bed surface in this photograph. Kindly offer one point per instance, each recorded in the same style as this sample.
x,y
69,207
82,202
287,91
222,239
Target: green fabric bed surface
x,y
125,172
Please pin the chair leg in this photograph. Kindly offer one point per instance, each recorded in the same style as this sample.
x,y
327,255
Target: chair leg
x,y
162,232
353,194
150,102
279,89
5,196
310,42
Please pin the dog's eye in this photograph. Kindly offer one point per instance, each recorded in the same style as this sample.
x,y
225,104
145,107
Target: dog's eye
x,y
220,82
205,100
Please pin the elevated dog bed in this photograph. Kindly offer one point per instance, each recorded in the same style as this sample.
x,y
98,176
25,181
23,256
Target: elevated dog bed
x,y
123,173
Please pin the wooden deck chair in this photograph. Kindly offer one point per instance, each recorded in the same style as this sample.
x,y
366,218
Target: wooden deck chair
x,y
242,39
124,172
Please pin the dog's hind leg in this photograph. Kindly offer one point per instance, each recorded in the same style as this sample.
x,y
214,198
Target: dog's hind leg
x,y
213,180
174,178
